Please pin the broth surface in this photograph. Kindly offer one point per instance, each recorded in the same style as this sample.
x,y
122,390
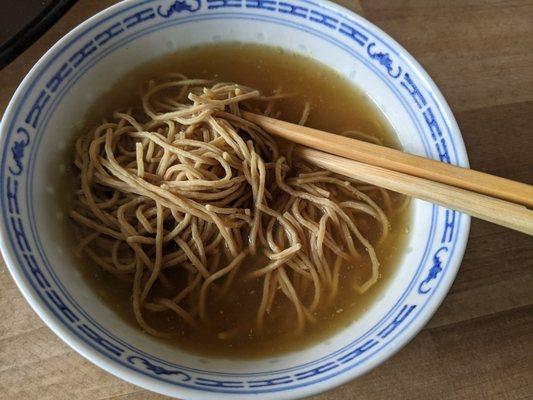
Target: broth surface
x,y
336,106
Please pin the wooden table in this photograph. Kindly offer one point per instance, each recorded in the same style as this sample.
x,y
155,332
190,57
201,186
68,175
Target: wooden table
x,y
479,345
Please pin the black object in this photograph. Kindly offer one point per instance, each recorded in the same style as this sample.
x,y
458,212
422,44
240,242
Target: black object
x,y
24,21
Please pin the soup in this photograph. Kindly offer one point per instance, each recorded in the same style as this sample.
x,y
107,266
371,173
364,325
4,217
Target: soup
x,y
203,229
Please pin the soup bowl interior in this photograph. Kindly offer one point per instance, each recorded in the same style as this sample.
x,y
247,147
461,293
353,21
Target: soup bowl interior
x,y
47,110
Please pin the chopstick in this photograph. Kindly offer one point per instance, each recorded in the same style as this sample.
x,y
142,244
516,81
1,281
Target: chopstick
x,y
475,193
396,160
488,208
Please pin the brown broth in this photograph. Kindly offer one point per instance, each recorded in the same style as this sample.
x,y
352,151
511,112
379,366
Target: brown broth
x,y
336,106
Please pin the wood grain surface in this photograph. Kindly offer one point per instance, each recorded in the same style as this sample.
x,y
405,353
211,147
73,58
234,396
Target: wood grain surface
x,y
479,345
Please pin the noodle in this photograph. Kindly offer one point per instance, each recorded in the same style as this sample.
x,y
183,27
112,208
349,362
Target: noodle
x,y
185,184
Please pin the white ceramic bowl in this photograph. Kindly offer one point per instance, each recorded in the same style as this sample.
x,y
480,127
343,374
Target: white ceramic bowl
x,y
39,123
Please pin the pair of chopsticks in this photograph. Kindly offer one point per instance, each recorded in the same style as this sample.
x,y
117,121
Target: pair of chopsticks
x,y
491,198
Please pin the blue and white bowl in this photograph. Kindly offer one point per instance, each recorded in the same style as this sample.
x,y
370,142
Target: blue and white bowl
x,y
36,131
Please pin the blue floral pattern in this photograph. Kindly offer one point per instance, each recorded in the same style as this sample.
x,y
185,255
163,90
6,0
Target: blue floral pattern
x,y
24,132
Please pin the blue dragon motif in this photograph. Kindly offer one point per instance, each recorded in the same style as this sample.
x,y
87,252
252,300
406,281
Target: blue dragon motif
x,y
178,6
156,369
434,271
384,60
17,150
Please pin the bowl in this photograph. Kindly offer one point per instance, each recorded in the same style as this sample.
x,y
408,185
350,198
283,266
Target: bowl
x,y
37,129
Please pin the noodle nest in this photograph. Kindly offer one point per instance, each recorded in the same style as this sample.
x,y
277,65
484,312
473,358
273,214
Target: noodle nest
x,y
184,183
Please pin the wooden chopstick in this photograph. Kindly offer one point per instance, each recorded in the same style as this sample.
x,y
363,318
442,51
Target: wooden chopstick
x,y
501,212
480,195
396,160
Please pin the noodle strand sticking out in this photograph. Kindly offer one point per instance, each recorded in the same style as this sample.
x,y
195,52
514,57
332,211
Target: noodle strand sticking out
x,y
175,197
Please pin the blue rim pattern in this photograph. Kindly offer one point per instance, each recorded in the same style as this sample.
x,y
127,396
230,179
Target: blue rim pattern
x,y
96,336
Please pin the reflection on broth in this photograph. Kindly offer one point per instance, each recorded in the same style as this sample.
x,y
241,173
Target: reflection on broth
x,y
202,229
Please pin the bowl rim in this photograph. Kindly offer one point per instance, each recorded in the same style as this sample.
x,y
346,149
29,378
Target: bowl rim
x,y
148,382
